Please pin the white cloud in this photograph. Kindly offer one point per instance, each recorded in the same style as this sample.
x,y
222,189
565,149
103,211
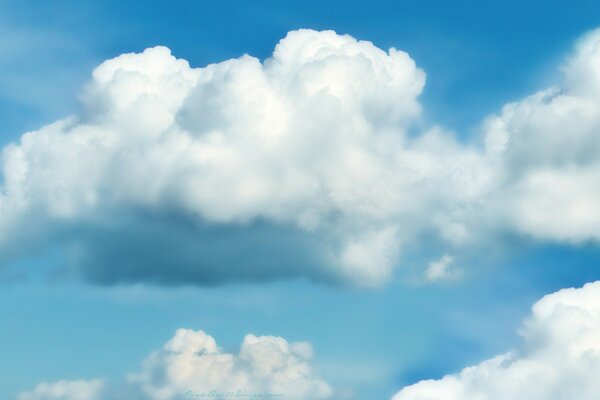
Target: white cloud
x,y
191,365
312,140
441,269
301,165
560,359
547,147
65,390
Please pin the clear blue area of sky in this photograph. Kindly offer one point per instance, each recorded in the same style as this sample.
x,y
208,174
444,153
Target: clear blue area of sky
x,y
478,55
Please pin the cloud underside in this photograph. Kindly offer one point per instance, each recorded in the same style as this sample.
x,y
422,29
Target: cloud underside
x,y
560,358
192,365
313,163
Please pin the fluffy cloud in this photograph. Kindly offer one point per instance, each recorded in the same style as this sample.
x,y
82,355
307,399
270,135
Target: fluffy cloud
x,y
191,365
311,163
560,359
547,147
213,171
65,390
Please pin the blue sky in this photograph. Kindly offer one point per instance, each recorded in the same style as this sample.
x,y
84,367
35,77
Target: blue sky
x,y
477,56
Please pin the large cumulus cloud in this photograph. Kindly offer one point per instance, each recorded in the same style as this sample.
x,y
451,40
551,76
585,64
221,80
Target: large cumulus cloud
x,y
560,358
192,365
312,163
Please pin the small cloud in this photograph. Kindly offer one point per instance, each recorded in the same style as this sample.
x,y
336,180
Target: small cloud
x,y
66,390
442,269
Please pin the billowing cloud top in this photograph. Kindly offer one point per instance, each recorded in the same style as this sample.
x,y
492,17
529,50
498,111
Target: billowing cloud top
x,y
560,358
310,163
191,363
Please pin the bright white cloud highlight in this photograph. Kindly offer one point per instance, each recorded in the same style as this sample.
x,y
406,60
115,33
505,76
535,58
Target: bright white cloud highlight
x,y
191,365
301,165
560,358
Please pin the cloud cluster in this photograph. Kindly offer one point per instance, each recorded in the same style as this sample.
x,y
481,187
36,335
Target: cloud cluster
x,y
560,359
312,163
191,365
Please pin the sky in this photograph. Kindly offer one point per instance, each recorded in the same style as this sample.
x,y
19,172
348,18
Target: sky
x,y
386,206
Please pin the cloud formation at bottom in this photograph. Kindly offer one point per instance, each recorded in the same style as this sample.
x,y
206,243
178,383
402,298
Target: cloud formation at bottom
x,y
560,358
191,365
